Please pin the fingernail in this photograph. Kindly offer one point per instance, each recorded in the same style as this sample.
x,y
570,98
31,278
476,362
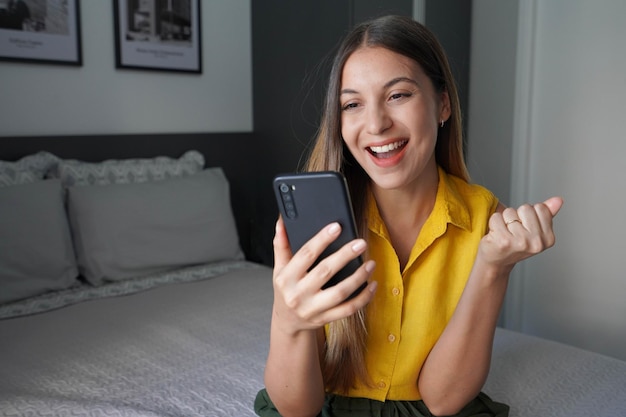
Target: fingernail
x,y
334,229
359,245
370,265
372,287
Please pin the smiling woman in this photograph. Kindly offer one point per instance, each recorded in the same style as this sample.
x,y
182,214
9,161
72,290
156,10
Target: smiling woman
x,y
418,340
382,90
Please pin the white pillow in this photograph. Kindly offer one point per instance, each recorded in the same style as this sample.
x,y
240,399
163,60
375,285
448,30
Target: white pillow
x,y
28,169
36,252
125,171
127,230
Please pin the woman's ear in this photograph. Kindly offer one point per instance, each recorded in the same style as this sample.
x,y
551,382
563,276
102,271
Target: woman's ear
x,y
444,111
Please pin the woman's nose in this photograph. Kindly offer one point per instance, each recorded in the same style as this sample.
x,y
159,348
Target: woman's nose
x,y
378,120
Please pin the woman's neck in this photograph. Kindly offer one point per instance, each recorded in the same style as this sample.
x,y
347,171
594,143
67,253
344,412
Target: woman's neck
x,y
404,211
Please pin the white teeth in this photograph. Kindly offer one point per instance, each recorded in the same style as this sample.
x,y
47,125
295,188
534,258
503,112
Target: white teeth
x,y
387,148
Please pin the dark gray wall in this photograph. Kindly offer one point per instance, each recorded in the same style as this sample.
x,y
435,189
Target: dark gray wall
x,y
491,122
451,21
365,10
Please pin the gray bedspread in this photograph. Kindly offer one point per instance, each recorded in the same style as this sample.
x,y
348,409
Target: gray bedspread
x,y
188,349
198,348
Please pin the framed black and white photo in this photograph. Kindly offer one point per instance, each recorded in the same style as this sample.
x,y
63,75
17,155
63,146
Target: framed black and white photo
x,y
45,31
159,35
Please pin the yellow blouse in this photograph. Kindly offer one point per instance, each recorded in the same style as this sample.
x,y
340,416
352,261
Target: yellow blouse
x,y
412,307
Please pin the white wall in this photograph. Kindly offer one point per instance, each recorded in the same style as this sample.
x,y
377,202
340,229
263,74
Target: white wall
x,y
419,11
41,99
568,131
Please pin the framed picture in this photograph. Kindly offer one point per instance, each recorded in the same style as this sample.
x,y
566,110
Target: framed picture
x,y
161,35
46,31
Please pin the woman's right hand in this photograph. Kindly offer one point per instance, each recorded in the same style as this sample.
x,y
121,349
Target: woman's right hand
x,y
300,303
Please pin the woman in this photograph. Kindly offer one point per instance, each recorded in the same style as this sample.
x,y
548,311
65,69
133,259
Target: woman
x,y
418,341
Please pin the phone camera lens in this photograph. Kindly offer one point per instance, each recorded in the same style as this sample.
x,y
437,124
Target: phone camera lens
x,y
288,202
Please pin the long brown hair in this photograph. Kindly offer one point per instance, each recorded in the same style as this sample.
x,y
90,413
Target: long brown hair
x,y
344,361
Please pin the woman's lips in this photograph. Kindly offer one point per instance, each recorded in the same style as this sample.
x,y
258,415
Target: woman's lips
x,y
387,150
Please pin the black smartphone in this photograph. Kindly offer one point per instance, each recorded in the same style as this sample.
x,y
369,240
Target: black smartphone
x,y
310,201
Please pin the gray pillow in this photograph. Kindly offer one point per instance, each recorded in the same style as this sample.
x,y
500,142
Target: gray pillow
x,y
128,230
29,169
36,252
126,171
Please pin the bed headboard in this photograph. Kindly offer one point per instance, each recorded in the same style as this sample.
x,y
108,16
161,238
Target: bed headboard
x,y
240,154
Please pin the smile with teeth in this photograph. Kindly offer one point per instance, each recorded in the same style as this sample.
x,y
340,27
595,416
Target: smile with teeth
x,y
385,150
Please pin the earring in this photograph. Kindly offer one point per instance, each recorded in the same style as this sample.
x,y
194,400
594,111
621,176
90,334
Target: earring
x,y
441,122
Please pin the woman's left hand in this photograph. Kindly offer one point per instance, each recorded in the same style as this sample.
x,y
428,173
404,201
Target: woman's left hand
x,y
517,234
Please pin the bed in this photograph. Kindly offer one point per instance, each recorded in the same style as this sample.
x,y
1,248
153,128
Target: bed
x,y
108,307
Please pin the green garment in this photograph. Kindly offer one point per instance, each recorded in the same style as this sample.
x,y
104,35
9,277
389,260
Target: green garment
x,y
338,406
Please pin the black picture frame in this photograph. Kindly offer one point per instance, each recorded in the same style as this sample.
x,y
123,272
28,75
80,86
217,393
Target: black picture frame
x,y
159,35
41,31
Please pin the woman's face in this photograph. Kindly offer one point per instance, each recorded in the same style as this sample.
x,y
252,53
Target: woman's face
x,y
390,114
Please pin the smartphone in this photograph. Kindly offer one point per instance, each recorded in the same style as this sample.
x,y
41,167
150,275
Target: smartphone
x,y
310,201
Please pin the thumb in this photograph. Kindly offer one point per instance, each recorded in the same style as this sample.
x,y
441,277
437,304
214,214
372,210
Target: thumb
x,y
282,250
554,204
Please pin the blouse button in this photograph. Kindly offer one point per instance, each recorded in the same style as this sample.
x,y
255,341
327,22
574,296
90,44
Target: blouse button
x,y
395,291
391,338
382,385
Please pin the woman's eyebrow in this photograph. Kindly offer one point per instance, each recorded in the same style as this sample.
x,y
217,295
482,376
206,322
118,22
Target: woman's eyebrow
x,y
388,84
397,80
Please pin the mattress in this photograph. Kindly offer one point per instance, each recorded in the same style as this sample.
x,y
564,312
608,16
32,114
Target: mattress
x,y
539,377
194,343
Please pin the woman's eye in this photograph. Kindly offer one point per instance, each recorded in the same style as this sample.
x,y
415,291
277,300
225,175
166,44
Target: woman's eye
x,y
398,96
349,106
